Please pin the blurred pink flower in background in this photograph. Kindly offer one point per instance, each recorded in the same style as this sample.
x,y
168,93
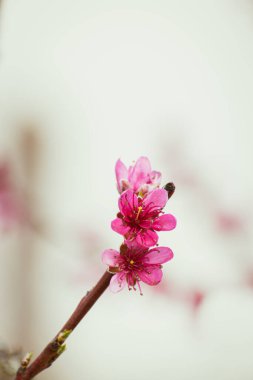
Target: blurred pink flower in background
x,y
224,220
229,223
135,263
140,218
187,175
139,177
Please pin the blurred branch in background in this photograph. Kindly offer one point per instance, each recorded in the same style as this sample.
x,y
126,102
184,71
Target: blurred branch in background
x,y
12,207
29,151
9,363
18,218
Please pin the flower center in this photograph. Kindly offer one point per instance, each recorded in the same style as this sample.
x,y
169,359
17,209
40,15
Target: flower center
x,y
131,262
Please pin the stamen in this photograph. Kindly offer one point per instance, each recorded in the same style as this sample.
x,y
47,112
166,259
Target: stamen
x,y
138,213
139,286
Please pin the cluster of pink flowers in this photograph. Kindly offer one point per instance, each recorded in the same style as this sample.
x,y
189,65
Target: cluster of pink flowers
x,y
140,217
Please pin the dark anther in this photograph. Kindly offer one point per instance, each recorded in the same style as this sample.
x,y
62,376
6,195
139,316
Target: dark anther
x,y
170,188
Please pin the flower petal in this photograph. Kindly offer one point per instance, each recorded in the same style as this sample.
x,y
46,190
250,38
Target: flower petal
x,y
153,277
147,238
110,257
158,255
155,178
117,225
166,222
153,181
158,198
121,175
134,245
139,173
128,202
117,283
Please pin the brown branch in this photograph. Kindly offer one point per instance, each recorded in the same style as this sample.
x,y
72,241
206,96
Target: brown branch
x,y
54,349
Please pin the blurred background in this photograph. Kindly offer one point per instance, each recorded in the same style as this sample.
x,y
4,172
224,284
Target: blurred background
x,y
81,84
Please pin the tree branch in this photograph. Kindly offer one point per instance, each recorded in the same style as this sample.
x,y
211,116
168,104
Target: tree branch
x,y
55,348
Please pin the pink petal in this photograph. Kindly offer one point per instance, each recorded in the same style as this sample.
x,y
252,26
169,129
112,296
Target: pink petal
x,y
158,198
110,257
159,255
128,201
118,226
139,173
121,174
166,222
134,245
152,278
117,283
155,178
147,238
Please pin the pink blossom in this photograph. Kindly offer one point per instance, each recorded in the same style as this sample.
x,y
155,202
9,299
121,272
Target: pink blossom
x,y
197,298
139,177
140,218
229,223
135,263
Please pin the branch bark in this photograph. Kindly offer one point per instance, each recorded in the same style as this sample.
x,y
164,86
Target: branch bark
x,y
54,349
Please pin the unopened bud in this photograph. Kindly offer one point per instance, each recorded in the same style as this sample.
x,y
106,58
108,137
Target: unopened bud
x,y
170,188
25,362
63,336
61,349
